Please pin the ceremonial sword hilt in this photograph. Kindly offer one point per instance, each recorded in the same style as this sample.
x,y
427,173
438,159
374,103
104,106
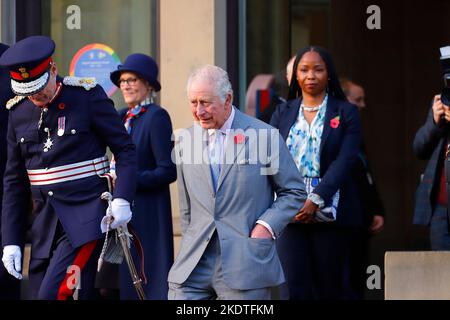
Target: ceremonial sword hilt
x,y
108,197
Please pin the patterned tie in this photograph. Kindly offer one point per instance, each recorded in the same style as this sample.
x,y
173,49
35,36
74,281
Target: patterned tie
x,y
214,156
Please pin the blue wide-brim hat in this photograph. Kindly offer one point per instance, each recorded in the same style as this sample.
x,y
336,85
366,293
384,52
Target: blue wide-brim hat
x,y
141,64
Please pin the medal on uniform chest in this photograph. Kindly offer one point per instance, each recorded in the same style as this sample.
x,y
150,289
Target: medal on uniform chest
x,y
49,142
61,126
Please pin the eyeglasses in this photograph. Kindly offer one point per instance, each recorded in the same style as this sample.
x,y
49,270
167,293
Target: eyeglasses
x,y
129,81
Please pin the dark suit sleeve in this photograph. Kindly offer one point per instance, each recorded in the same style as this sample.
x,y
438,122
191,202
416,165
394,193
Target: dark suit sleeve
x,y
161,145
109,127
374,203
370,198
427,137
340,168
275,119
266,115
16,192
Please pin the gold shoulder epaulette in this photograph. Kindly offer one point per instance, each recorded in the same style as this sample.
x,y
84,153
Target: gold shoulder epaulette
x,y
12,102
87,83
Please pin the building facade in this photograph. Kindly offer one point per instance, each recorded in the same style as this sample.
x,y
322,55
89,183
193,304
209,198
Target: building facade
x,y
394,54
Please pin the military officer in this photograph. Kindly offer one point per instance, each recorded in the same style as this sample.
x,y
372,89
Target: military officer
x,y
59,129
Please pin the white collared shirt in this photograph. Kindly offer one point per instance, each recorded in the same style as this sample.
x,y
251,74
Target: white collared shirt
x,y
222,139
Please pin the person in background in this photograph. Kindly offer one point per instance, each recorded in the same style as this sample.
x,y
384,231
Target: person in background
x,y
58,133
370,200
323,134
276,99
228,225
432,197
290,69
354,92
150,128
9,286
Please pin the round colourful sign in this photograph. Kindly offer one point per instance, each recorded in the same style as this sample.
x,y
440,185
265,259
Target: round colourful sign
x,y
96,60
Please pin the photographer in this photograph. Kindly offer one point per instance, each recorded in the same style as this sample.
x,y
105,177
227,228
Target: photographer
x,y
432,143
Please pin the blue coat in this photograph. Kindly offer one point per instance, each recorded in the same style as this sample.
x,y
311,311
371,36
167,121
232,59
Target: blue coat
x,y
428,145
91,125
338,153
152,216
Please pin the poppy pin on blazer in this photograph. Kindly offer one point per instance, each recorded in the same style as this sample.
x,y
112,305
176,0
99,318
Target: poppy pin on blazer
x,y
239,138
61,106
334,123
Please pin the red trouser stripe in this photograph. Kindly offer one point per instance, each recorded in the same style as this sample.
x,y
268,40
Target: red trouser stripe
x,y
80,261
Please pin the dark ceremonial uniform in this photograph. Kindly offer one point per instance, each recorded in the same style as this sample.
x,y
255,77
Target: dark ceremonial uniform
x,y
50,150
56,150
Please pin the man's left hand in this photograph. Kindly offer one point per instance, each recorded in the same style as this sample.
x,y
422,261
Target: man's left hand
x,y
260,232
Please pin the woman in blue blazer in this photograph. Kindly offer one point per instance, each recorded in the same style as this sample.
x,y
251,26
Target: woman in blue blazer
x,y
151,131
323,133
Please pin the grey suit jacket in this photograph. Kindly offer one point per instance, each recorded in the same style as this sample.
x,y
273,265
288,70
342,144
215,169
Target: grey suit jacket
x,y
243,196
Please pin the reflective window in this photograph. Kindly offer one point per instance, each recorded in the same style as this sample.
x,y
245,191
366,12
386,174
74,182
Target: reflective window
x,y
275,31
122,26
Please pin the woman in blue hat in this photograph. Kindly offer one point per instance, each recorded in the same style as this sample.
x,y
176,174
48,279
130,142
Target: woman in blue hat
x,y
151,130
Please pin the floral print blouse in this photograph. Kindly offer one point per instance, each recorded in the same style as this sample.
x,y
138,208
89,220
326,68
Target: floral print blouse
x,y
304,141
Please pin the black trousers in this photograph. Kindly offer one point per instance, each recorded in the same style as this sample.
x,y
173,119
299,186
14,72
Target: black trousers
x,y
315,260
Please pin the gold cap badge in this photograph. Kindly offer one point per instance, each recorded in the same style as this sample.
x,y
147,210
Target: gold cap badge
x,y
23,73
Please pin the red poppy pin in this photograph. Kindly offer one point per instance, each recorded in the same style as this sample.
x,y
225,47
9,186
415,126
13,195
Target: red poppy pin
x,y
239,138
334,123
61,106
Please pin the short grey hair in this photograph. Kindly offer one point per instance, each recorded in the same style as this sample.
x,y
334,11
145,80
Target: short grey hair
x,y
214,75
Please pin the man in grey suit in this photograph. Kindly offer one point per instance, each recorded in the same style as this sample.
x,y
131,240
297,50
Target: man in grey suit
x,y
230,166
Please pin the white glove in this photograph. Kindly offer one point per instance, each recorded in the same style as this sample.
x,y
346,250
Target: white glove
x,y
119,213
12,260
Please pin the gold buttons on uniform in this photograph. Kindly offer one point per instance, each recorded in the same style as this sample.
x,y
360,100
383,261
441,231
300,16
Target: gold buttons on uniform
x,y
73,131
22,140
50,193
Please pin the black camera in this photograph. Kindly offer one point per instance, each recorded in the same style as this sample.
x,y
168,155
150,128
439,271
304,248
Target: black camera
x,y
445,64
